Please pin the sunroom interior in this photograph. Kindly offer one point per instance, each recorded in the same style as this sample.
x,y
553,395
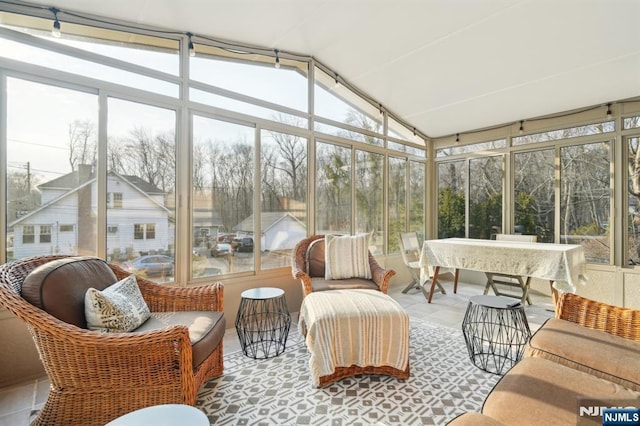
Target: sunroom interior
x,y
191,130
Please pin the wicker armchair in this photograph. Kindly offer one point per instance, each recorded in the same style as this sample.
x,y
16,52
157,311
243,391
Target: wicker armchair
x,y
308,267
623,322
96,377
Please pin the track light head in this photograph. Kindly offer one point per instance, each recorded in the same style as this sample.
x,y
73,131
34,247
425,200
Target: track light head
x,y
521,129
609,113
277,63
457,137
55,32
192,49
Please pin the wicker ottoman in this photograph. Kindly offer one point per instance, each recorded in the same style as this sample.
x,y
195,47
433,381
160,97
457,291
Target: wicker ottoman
x,y
350,332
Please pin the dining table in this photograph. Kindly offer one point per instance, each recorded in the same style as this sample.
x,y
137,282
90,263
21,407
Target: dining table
x,y
562,264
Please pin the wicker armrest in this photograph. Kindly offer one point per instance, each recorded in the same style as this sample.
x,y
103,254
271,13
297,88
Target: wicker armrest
x,y
623,322
380,275
164,298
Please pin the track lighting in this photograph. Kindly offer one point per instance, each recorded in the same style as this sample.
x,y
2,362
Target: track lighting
x,y
192,50
521,129
609,114
457,137
277,64
337,81
414,132
55,32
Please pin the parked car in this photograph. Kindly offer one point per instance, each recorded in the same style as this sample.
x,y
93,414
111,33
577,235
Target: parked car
x,y
245,245
226,238
221,249
149,265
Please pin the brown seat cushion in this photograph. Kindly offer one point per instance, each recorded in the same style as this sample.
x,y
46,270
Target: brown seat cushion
x,y
206,329
537,391
58,287
595,352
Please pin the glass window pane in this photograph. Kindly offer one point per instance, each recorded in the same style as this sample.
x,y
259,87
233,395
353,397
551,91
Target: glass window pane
x,y
333,193
46,58
399,131
633,196
348,134
451,199
286,85
283,217
467,149
585,199
417,179
397,201
156,53
485,197
369,195
534,195
407,149
631,122
50,177
572,132
222,197
247,108
141,153
339,103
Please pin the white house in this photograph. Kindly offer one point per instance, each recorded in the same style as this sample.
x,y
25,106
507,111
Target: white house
x,y
280,230
137,219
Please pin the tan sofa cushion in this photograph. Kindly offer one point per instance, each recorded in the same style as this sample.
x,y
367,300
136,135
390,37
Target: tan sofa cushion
x,y
595,352
320,284
474,419
59,286
537,391
206,329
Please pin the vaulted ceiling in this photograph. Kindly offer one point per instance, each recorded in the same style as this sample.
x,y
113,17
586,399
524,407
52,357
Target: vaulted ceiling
x,y
445,66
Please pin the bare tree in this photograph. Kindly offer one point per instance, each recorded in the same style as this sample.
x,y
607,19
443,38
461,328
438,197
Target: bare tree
x,y
82,143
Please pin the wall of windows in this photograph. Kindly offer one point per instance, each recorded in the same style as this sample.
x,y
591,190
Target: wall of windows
x,y
121,145
559,186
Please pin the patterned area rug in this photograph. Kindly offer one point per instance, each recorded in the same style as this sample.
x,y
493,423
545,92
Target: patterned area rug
x,y
279,391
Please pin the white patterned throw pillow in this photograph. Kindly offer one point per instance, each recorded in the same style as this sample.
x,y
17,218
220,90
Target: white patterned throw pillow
x,y
347,256
118,308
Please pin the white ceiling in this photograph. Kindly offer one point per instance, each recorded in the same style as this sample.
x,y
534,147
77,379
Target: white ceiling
x,y
445,66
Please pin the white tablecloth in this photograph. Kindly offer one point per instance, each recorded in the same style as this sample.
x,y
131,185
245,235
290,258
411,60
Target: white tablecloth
x,y
563,263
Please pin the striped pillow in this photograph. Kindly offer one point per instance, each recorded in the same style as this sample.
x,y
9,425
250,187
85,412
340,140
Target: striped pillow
x,y
347,257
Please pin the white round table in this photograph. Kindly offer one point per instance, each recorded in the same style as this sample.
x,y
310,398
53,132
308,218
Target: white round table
x,y
163,415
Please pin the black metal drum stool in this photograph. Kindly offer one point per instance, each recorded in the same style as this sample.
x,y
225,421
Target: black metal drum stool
x,y
263,322
496,331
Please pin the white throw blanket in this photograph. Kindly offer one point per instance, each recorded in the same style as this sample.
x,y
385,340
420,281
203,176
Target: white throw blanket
x,y
353,327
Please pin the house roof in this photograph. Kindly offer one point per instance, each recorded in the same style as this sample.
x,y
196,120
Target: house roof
x,y
72,180
69,182
267,220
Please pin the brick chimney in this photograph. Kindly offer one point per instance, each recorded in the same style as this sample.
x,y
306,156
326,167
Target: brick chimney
x,y
86,217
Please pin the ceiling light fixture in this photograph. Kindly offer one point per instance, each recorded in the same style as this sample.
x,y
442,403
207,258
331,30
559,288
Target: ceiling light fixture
x,y
192,50
609,113
521,129
55,32
414,132
277,64
457,137
337,80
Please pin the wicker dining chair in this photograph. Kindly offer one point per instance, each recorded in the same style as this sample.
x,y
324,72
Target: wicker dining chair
x,y
308,265
95,376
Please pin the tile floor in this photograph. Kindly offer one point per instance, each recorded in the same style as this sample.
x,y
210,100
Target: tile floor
x,y
17,402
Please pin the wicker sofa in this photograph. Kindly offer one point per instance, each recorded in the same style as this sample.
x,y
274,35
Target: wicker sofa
x,y
95,376
588,354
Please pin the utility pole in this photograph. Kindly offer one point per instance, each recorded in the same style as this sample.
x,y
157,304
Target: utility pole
x,y
28,177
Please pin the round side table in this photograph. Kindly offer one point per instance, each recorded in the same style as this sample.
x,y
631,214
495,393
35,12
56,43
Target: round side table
x,y
163,415
496,331
263,322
